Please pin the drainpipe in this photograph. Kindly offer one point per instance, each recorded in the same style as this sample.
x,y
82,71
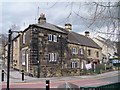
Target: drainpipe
x,y
61,51
38,62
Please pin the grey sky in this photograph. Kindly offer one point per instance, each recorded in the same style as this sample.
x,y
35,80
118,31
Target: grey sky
x,y
24,13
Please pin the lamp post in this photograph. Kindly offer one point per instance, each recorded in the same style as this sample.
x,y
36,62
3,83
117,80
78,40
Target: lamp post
x,y
9,56
8,60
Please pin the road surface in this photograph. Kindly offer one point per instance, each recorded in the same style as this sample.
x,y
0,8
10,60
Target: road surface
x,y
54,83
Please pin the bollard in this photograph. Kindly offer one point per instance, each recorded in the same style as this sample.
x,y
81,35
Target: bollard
x,y
22,75
2,75
47,85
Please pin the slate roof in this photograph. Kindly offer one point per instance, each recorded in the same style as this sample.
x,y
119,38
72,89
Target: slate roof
x,y
104,42
107,42
72,36
50,27
82,40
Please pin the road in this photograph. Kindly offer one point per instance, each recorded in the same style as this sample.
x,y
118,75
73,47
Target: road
x,y
112,79
80,81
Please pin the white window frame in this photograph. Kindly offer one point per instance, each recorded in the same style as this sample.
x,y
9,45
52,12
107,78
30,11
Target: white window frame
x,y
55,38
81,51
49,58
73,64
24,34
50,37
74,51
52,57
23,57
55,57
89,52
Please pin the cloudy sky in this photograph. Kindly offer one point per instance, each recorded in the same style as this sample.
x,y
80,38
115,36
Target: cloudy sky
x,y
25,12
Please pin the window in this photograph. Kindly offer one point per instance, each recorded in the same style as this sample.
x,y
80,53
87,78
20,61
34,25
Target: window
x,y
50,37
54,38
23,57
55,57
81,51
89,52
52,57
97,54
24,38
73,64
74,51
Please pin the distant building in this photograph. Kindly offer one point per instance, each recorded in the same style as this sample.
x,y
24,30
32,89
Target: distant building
x,y
49,50
1,47
109,48
3,40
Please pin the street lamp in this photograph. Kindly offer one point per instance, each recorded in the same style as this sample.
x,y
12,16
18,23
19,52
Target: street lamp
x,y
8,60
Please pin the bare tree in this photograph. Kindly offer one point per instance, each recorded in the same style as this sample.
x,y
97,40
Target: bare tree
x,y
100,17
3,41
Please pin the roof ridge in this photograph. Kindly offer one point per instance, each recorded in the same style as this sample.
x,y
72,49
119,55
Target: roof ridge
x,y
51,27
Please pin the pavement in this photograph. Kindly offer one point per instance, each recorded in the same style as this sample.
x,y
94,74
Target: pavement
x,y
86,80
16,77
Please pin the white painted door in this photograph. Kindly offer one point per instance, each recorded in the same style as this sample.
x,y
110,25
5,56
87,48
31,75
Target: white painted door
x,y
27,62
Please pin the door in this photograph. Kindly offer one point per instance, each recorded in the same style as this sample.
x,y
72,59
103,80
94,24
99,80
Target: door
x,y
27,63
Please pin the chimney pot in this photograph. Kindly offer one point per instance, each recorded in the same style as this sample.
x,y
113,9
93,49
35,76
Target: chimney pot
x,y
42,18
87,33
68,26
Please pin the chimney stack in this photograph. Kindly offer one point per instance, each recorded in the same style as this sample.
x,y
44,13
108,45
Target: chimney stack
x,y
68,26
87,33
42,18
